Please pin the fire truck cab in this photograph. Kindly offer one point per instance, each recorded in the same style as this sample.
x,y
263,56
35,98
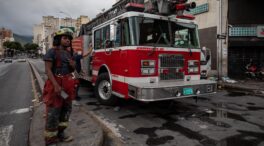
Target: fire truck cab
x,y
147,57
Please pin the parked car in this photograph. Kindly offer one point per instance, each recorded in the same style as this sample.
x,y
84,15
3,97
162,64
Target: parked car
x,y
8,60
21,60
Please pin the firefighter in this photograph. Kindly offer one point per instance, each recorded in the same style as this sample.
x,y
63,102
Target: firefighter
x,y
78,55
59,89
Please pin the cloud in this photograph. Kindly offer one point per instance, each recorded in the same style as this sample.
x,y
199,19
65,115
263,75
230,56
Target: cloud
x,y
21,15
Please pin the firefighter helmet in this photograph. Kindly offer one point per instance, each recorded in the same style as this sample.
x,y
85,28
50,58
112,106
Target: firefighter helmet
x,y
64,32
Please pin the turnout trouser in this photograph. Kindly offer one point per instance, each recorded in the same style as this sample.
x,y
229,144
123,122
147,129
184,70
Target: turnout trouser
x,y
57,120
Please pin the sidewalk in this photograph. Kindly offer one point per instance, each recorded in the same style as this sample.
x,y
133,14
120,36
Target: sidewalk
x,y
82,126
253,87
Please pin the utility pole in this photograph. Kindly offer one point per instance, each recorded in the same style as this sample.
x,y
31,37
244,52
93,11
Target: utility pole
x,y
222,39
67,15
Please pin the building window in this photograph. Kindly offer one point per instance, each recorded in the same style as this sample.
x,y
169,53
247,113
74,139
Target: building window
x,y
243,31
97,40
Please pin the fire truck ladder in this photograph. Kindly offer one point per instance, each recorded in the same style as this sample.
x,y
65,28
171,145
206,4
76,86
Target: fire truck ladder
x,y
162,7
117,9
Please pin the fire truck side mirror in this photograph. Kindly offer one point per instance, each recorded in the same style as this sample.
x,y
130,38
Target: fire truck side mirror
x,y
113,31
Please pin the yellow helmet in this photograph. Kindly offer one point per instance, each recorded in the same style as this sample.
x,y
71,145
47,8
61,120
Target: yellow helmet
x,y
64,32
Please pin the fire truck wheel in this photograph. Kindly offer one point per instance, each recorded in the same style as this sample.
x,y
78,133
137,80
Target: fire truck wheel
x,y
103,90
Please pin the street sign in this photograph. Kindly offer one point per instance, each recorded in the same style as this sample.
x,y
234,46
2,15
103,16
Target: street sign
x,y
260,31
221,36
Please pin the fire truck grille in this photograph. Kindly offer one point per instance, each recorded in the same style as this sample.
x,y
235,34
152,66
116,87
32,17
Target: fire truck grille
x,y
170,67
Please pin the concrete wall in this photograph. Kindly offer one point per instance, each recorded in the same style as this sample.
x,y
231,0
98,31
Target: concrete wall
x,y
207,19
207,24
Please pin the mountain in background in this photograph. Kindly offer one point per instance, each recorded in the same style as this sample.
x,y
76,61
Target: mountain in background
x,y
23,39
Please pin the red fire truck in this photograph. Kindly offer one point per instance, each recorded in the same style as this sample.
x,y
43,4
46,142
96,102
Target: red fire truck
x,y
145,51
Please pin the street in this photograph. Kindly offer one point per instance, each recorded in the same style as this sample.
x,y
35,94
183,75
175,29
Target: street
x,y
221,119
16,96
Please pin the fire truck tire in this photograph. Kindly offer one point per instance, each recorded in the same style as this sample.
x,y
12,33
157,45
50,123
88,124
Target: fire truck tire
x,y
103,90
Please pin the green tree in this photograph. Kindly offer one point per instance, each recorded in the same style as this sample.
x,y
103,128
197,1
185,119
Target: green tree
x,y
13,45
32,47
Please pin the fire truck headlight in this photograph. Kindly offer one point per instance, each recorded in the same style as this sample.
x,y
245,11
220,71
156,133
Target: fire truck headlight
x,y
193,66
196,69
147,71
147,63
148,67
191,70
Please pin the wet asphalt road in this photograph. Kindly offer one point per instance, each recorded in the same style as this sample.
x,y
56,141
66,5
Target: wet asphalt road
x,y
16,96
222,119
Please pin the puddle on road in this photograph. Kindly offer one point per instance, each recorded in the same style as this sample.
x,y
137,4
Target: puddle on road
x,y
218,113
250,103
203,99
245,138
235,94
255,108
98,105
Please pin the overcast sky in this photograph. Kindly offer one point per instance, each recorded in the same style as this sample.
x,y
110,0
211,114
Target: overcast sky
x,y
21,15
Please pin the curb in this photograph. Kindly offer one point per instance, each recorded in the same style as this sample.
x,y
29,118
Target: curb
x,y
251,91
38,77
86,131
116,139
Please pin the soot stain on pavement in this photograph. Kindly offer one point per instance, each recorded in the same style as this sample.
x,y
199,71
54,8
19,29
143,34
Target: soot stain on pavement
x,y
93,103
98,105
255,108
129,116
206,141
153,137
245,138
250,103
80,122
235,94
159,140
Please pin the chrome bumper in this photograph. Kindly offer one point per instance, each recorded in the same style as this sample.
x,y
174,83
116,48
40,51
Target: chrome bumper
x,y
170,90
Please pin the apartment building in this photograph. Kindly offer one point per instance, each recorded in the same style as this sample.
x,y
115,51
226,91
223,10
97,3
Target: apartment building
x,y
44,32
5,35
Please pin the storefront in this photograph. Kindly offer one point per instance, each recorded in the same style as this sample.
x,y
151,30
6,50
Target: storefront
x,y
246,35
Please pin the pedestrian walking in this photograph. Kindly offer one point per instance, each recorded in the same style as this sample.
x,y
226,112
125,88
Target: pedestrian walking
x,y
59,89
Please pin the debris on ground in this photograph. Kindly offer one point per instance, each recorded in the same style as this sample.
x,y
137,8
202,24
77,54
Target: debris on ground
x,y
228,80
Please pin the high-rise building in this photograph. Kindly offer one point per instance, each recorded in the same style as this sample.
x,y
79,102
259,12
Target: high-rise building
x,y
44,32
5,35
81,20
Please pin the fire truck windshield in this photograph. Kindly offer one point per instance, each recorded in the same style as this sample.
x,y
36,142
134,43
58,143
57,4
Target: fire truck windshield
x,y
162,33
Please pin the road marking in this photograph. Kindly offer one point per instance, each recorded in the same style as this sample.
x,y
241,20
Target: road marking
x,y
17,111
5,135
20,111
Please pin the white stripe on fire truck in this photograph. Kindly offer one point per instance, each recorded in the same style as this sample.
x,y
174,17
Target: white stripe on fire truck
x,y
129,80
147,48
